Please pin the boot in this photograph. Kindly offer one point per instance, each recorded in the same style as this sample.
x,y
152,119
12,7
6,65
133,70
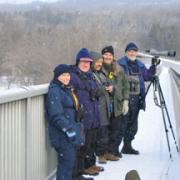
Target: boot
x,y
90,171
111,157
128,149
102,160
97,168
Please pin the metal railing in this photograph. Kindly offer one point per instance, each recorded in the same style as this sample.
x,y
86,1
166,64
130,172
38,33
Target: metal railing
x,y
175,86
25,153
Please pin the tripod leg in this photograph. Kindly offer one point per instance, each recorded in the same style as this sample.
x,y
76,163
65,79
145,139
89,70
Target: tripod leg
x,y
168,117
163,115
166,131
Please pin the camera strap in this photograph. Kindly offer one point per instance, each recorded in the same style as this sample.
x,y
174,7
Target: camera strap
x,y
76,102
97,78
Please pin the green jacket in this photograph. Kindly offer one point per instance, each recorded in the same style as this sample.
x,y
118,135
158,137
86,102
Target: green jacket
x,y
121,87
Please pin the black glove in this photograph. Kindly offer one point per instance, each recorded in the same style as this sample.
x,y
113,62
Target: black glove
x,y
155,61
93,95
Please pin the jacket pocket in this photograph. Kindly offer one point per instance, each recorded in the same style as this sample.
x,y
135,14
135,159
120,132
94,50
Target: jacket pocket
x,y
80,135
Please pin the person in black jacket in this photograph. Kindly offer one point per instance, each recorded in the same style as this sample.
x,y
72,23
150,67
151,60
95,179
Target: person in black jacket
x,y
64,131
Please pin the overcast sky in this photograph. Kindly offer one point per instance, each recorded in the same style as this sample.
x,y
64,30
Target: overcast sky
x,y
24,1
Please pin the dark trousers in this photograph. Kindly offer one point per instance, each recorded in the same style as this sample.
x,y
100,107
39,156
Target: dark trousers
x,y
132,119
66,161
117,130
102,140
90,148
86,154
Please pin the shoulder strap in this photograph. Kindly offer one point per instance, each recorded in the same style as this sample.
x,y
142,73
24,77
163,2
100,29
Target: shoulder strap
x,y
97,78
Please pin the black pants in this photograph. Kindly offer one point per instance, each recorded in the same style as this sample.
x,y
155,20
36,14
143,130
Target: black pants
x,y
131,119
86,154
102,140
117,130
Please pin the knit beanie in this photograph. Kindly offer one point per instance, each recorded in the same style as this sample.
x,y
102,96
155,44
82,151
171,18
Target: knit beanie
x,y
131,46
60,69
83,55
108,49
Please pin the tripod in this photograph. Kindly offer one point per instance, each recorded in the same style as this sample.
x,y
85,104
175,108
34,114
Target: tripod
x,y
162,104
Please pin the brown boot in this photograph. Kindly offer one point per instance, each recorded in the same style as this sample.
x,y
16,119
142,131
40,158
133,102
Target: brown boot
x,y
111,157
97,168
90,172
102,160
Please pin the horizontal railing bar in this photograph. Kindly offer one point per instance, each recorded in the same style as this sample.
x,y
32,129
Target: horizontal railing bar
x,y
22,93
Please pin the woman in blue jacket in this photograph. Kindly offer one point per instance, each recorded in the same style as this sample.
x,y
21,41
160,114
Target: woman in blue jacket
x,y
65,131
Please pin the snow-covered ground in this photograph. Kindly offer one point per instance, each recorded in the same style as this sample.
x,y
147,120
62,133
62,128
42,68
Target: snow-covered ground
x,y
153,163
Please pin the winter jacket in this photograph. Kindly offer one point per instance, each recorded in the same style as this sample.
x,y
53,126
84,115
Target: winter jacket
x,y
60,115
144,75
104,101
86,86
120,87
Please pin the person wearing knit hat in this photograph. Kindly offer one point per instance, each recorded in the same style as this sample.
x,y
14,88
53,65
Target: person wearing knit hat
x,y
64,133
118,90
103,131
86,87
137,74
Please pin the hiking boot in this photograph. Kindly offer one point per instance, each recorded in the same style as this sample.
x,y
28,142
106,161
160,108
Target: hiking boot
x,y
102,160
90,172
111,157
97,168
128,149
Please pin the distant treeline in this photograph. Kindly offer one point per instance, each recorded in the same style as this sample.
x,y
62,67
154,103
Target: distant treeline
x,y
33,42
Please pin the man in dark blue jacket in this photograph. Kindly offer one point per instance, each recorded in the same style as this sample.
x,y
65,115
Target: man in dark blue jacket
x,y
137,74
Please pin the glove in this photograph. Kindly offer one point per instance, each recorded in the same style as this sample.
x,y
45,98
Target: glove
x,y
155,61
71,134
125,107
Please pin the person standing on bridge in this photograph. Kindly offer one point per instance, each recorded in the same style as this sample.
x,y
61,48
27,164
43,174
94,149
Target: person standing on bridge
x,y
62,110
137,73
104,102
88,94
118,90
